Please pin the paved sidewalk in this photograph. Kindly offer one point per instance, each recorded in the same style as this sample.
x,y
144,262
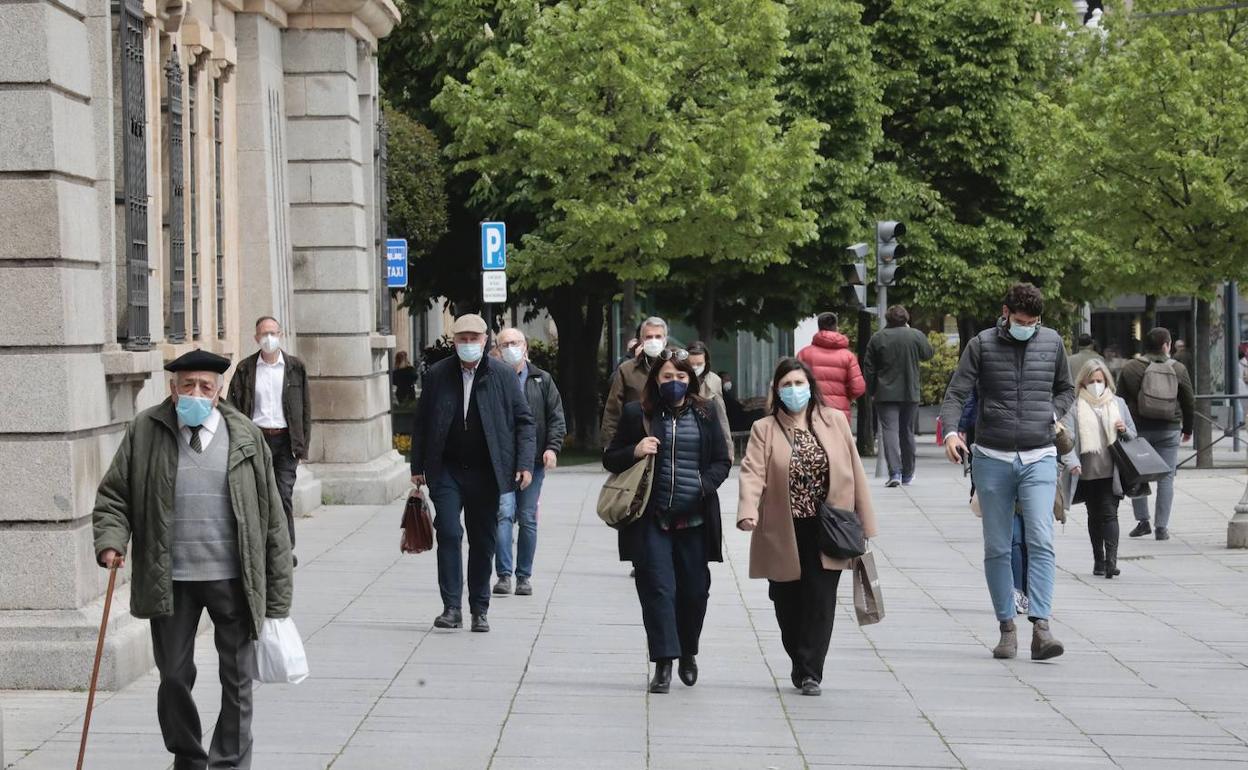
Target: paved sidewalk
x,y
1155,674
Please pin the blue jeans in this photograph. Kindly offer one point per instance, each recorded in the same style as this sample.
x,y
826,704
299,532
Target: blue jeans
x,y
1018,555
524,503
476,494
1166,442
999,484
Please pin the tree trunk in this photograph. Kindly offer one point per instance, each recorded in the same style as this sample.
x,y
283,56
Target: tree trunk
x,y
1203,359
1149,321
866,419
578,315
706,319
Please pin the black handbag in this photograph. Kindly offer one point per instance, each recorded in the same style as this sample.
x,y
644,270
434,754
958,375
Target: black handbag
x,y
1137,462
840,531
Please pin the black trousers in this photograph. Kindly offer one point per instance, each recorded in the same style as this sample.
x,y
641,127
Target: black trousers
x,y
173,642
673,584
284,466
806,608
1098,495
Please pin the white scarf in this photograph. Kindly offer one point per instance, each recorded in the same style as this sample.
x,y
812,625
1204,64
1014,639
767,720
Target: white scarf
x,y
1096,420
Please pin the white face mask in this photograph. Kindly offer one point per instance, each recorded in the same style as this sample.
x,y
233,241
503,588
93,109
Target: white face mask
x,y
1097,388
699,369
654,346
513,355
270,343
728,385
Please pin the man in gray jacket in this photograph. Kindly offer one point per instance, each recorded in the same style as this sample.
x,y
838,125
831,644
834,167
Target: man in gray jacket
x,y
547,407
1020,372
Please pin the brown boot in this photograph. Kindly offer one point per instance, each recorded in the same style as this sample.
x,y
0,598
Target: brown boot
x,y
1008,646
1043,645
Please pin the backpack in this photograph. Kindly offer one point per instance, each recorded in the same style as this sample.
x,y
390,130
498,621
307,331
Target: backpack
x,y
1159,392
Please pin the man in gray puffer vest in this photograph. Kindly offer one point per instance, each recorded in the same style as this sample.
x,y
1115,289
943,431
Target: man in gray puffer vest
x,y
1020,372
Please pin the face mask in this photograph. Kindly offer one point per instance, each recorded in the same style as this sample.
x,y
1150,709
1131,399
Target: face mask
x,y
270,343
795,397
193,410
673,392
513,356
469,352
653,347
1097,388
1022,333
698,370
728,386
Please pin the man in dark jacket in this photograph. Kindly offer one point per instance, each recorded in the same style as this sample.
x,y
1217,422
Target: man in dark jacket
x,y
1163,433
271,387
473,440
891,369
1019,371
630,378
191,491
547,407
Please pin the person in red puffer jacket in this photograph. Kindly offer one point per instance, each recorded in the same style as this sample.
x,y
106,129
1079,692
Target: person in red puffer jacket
x,y
834,365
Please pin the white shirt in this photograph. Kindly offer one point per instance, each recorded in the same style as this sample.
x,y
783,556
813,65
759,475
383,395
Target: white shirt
x,y
468,375
267,410
206,431
1028,457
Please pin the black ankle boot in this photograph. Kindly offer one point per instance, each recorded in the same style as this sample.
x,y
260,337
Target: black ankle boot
x,y
662,681
688,670
1111,561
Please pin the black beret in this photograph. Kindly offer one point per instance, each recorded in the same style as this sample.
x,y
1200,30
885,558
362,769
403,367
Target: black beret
x,y
198,361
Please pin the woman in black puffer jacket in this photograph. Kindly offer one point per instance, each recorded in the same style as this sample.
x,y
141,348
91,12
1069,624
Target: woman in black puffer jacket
x,y
680,531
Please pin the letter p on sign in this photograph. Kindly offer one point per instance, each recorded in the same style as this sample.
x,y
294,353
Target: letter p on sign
x,y
493,246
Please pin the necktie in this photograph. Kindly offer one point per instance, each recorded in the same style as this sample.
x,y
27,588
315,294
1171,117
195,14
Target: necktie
x,y
198,447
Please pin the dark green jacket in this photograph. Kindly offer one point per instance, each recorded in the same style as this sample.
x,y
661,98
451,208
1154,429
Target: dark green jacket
x,y
296,407
891,366
135,504
1131,379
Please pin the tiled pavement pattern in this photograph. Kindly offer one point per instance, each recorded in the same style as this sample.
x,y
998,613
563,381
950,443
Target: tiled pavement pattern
x,y
1155,674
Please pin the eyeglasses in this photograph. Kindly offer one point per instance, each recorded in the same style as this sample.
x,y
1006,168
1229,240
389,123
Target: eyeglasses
x,y
514,344
674,354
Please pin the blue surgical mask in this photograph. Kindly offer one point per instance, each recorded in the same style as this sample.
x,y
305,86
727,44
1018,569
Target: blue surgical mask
x,y
795,397
673,391
469,352
193,410
1022,333
513,355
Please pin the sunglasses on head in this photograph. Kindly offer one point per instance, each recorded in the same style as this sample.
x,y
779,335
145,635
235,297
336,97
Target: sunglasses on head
x,y
674,354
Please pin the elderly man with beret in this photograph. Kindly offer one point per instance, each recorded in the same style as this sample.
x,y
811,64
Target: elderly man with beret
x,y
192,501
474,439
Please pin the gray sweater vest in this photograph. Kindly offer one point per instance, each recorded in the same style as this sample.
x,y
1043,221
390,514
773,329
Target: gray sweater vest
x,y
205,534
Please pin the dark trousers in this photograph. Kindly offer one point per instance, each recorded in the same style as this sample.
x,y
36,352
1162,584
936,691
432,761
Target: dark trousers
x,y
284,466
173,642
806,608
673,584
1098,495
475,492
897,434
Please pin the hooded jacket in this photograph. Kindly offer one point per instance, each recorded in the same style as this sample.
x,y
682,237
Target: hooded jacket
x,y
835,368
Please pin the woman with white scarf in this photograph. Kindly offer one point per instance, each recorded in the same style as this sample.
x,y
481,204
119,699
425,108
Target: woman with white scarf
x,y
1097,420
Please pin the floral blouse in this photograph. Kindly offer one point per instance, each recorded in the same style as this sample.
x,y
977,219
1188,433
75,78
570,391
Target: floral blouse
x,y
808,475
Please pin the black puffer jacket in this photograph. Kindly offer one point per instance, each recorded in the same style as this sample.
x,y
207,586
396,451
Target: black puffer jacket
x,y
678,467
1021,385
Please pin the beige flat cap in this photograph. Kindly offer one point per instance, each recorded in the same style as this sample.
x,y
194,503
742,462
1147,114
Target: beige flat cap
x,y
469,323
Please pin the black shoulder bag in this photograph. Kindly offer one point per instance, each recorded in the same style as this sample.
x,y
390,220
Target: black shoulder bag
x,y
840,531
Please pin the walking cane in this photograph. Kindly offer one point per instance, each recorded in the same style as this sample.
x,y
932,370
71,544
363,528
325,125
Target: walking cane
x,y
99,652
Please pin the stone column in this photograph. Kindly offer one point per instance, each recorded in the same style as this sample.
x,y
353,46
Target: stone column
x,y
335,263
67,386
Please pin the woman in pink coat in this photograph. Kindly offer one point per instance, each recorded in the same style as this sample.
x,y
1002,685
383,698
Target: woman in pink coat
x,y
834,365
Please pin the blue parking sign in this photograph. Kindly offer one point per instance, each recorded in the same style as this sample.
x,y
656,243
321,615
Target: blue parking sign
x,y
396,263
493,246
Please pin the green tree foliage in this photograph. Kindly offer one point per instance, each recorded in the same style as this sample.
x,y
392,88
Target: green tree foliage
x,y
416,187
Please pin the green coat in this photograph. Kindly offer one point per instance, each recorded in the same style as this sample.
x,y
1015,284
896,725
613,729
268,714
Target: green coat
x,y
891,365
135,502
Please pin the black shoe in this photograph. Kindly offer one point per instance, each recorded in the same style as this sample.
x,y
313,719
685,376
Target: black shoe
x,y
811,687
1141,530
796,678
662,681
1163,533
688,670
1111,561
480,624
294,561
451,617
1098,567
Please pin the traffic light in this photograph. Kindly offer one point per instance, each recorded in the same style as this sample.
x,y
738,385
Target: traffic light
x,y
855,271
888,252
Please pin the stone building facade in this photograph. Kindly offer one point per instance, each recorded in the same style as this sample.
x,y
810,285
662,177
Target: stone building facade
x,y
170,171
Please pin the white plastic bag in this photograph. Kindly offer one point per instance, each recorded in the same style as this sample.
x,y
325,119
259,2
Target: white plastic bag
x,y
279,657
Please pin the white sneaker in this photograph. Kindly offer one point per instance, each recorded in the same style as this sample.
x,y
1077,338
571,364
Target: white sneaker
x,y
1022,605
